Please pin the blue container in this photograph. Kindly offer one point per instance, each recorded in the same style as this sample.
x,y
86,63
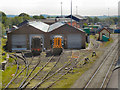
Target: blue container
x,y
104,38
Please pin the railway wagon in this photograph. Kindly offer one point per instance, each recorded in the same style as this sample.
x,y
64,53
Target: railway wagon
x,y
117,31
36,46
57,45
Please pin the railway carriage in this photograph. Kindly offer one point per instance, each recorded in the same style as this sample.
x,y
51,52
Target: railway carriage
x,y
36,46
57,45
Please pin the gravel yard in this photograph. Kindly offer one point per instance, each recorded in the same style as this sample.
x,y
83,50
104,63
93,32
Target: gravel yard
x,y
76,78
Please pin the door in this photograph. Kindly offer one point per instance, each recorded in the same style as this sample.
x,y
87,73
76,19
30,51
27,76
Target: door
x,y
74,41
19,42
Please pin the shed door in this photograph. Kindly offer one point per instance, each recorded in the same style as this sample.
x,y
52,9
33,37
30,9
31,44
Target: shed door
x,y
74,41
18,41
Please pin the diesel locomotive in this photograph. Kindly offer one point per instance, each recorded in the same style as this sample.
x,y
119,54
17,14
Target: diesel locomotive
x,y
36,46
57,45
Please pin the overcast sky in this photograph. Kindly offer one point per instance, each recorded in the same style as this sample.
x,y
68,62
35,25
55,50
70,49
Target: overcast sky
x,y
53,7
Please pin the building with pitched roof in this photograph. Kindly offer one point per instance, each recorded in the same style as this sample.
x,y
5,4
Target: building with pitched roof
x,y
20,39
105,32
79,20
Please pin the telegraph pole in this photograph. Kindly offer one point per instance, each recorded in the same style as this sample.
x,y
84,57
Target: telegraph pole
x,y
61,9
71,12
108,12
76,10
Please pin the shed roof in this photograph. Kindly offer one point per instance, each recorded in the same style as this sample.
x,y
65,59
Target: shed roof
x,y
53,20
76,17
47,28
104,29
79,17
56,25
39,25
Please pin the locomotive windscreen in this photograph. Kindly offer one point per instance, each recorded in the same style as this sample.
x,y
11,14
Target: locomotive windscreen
x,y
36,42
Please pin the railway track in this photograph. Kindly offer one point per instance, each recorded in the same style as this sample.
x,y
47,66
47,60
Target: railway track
x,y
16,63
59,73
50,73
98,78
17,74
28,82
42,69
49,80
37,71
69,69
56,72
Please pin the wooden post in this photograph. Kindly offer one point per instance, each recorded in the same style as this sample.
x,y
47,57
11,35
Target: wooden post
x,y
3,65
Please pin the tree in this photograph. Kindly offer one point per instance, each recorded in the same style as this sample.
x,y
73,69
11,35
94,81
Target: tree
x,y
115,19
42,17
96,19
48,17
3,18
36,17
2,14
16,20
90,20
2,29
23,14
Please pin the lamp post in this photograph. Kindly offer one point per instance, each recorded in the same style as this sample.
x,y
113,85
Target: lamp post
x,y
71,12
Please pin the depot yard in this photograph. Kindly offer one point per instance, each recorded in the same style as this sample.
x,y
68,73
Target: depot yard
x,y
66,81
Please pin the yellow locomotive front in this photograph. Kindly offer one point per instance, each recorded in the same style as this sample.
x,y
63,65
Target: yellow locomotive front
x,y
57,45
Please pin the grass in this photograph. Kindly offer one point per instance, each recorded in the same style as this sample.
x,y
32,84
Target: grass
x,y
103,44
93,36
3,57
7,74
0,79
3,42
87,45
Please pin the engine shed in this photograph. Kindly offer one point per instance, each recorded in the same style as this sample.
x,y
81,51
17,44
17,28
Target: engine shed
x,y
21,38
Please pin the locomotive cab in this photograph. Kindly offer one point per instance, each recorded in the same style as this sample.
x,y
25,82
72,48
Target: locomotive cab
x,y
37,44
57,46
